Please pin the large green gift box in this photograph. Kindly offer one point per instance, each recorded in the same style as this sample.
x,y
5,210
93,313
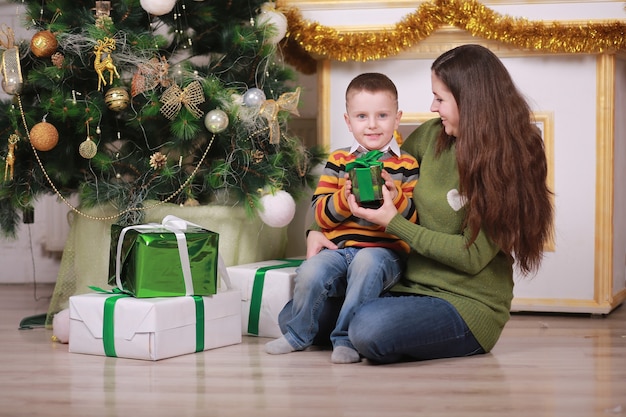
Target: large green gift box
x,y
365,174
174,258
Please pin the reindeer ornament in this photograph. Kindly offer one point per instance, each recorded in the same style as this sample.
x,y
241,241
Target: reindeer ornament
x,y
104,62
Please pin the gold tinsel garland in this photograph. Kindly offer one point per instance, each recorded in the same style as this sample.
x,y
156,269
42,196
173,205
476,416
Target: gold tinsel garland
x,y
472,16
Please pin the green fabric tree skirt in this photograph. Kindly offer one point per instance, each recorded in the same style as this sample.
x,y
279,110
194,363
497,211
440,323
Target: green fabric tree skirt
x,y
85,258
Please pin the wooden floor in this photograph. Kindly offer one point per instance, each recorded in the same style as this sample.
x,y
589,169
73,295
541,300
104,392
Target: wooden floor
x,y
544,365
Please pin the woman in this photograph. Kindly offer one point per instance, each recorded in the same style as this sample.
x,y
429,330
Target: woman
x,y
483,208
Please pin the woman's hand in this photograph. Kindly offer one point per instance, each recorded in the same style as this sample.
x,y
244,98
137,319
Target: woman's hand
x,y
316,241
380,216
391,186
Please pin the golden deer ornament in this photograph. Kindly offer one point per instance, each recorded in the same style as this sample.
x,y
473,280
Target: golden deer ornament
x,y
10,161
104,48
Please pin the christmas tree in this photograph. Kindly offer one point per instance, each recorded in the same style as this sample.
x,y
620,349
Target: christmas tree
x,y
140,102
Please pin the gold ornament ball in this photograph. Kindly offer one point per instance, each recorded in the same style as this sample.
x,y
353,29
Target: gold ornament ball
x,y
88,149
117,98
43,44
44,136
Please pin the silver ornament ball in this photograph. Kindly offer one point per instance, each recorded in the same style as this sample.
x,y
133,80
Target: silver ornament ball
x,y
254,97
216,121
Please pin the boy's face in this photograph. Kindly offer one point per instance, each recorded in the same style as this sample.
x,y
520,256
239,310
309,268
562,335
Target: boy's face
x,y
372,118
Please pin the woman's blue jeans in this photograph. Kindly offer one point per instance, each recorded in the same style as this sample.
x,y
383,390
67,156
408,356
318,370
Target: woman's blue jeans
x,y
400,327
357,275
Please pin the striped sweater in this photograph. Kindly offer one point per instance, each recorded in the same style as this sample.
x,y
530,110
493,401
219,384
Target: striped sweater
x,y
333,215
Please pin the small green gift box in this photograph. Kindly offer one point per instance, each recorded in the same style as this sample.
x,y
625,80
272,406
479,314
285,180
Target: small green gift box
x,y
367,182
174,258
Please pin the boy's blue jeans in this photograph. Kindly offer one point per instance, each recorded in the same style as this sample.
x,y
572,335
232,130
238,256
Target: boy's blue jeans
x,y
359,275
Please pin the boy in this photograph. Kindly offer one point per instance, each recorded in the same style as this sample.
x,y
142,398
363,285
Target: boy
x,y
366,261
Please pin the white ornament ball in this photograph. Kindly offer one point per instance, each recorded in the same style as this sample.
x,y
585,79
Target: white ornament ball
x,y
278,209
61,326
254,97
216,121
157,7
276,19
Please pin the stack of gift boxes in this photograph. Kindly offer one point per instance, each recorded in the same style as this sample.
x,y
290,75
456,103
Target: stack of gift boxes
x,y
167,299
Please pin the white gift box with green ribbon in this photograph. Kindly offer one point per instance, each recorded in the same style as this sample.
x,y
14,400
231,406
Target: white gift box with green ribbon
x,y
122,326
265,289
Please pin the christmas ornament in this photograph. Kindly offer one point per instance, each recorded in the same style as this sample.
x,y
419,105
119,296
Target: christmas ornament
x,y
278,209
57,59
28,214
158,160
61,326
151,74
398,137
11,71
257,156
191,202
101,64
11,68
157,7
88,148
103,8
174,97
44,136
43,44
270,108
117,98
10,162
216,121
254,97
270,17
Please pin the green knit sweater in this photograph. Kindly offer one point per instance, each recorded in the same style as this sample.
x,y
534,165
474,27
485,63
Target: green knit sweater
x,y
477,280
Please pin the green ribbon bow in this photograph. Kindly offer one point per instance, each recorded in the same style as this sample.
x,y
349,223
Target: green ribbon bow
x,y
366,160
257,292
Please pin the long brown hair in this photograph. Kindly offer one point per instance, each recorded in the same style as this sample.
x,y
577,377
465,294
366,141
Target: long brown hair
x,y
500,155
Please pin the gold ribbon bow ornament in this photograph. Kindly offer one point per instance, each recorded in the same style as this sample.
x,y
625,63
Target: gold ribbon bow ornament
x,y
174,97
11,68
270,108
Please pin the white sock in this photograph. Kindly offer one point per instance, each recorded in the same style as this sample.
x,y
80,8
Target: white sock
x,y
279,346
344,354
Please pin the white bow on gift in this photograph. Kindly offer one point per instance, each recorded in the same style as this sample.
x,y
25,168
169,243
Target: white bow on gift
x,y
177,226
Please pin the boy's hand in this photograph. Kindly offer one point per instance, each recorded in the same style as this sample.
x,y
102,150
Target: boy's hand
x,y
316,242
347,187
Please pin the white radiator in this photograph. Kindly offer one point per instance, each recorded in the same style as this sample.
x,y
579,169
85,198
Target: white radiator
x,y
52,215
